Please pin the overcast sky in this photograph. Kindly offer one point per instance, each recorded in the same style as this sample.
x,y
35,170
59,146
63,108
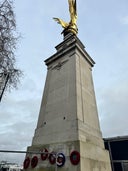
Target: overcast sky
x,y
103,29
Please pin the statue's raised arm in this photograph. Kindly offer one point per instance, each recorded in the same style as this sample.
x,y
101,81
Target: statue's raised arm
x,y
71,26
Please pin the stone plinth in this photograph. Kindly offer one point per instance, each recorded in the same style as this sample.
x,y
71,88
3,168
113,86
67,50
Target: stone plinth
x,y
68,118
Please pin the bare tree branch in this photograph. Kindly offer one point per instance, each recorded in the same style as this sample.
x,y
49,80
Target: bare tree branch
x,y
8,40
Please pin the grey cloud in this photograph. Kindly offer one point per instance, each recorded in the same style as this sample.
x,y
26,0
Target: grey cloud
x,y
113,109
124,20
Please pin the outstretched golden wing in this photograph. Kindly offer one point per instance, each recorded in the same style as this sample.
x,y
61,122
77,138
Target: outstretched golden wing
x,y
70,27
61,22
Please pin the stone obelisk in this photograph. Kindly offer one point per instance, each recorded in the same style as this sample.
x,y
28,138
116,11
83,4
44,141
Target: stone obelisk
x,y
68,120
68,132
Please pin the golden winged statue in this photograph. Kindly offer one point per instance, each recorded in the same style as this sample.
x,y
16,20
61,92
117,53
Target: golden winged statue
x,y
71,26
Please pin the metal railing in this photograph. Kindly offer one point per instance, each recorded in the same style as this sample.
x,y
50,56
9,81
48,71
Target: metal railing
x,y
32,152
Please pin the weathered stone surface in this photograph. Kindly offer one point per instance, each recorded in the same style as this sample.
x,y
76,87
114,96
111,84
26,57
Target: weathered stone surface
x,y
68,118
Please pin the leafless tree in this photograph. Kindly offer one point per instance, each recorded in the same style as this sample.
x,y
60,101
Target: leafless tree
x,y
9,75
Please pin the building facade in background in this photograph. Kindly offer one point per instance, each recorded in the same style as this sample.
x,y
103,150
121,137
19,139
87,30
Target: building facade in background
x,y
118,150
8,166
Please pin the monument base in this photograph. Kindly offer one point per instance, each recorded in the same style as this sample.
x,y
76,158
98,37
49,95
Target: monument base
x,y
92,157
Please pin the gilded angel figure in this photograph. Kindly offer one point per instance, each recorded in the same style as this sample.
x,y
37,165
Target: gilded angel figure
x,y
71,26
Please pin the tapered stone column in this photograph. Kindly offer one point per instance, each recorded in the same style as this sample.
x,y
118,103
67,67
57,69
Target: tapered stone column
x,y
68,119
